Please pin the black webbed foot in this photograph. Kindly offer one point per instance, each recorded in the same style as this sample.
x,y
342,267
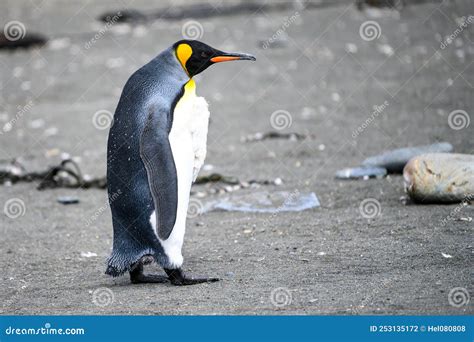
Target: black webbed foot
x,y
138,277
177,277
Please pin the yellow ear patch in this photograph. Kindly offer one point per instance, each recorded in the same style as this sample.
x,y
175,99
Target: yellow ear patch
x,y
183,52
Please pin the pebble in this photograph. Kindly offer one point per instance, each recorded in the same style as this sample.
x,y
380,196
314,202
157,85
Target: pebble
x,y
440,178
364,172
88,254
67,200
394,161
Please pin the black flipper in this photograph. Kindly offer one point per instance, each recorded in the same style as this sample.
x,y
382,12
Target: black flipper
x,y
156,154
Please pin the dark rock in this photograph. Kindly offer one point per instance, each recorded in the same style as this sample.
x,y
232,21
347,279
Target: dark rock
x,y
124,16
275,135
29,40
67,200
396,4
394,161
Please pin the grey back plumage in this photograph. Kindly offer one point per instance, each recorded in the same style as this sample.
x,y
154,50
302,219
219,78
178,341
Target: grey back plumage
x,y
148,97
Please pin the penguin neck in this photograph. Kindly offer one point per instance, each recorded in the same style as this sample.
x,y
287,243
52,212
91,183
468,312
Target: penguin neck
x,y
190,88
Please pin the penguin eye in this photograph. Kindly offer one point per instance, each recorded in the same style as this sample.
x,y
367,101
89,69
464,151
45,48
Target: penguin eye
x,y
204,55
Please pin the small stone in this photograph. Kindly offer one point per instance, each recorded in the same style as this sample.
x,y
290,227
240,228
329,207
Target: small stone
x,y
88,254
361,172
467,219
440,178
67,200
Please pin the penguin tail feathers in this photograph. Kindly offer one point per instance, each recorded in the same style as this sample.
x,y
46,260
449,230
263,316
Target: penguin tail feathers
x,y
114,271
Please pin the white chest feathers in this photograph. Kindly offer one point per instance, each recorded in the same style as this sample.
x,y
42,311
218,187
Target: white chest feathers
x,y
191,113
189,130
188,138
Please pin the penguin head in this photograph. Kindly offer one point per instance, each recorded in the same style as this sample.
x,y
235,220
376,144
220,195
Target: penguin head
x,y
195,56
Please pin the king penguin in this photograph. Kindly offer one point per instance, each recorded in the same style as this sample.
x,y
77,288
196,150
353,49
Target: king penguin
x,y
156,147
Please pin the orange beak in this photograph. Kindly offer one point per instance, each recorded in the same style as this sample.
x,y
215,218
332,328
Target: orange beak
x,y
226,57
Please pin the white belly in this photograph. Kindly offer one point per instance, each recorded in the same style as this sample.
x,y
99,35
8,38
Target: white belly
x,y
183,146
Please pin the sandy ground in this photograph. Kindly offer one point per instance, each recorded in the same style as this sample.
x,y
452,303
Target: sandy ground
x,y
329,260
